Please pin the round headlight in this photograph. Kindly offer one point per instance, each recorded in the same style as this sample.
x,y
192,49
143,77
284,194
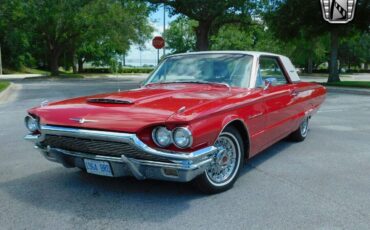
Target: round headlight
x,y
32,124
182,137
162,136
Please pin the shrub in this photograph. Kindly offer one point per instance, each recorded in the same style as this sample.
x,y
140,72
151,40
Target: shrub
x,y
136,70
119,70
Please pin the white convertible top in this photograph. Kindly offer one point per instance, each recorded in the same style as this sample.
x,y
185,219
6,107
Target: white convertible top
x,y
289,67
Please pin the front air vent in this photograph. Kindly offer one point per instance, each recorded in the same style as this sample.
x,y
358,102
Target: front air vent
x,y
109,101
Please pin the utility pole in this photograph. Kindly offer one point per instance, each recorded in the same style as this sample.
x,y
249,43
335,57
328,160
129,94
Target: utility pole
x,y
1,64
164,28
140,49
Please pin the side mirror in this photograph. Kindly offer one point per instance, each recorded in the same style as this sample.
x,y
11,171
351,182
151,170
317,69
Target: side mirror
x,y
269,82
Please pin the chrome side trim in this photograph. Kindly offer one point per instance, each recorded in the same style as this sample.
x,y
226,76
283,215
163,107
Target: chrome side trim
x,y
129,138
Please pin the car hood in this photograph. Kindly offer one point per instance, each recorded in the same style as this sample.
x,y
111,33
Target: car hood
x,y
132,110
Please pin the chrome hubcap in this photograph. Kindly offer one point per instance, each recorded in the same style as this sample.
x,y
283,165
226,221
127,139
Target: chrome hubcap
x,y
304,127
224,165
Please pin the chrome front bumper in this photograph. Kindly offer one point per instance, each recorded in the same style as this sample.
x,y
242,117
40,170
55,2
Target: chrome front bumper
x,y
180,166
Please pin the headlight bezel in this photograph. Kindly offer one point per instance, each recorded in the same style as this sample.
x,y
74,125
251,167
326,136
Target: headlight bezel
x,y
189,137
155,137
35,125
172,136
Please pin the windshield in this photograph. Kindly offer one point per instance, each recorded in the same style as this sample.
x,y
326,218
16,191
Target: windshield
x,y
230,69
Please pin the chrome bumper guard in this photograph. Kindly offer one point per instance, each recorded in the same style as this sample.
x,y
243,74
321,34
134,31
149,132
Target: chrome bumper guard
x,y
183,167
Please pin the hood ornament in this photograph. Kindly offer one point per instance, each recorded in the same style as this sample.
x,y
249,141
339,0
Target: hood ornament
x,y
82,120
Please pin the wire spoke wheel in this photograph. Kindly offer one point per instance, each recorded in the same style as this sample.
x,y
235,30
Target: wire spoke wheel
x,y
301,132
304,127
223,170
226,161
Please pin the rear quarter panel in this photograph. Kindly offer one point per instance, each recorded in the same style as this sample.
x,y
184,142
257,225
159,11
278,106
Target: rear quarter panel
x,y
309,98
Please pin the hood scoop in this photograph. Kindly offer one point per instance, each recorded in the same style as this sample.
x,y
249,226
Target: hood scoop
x,y
109,101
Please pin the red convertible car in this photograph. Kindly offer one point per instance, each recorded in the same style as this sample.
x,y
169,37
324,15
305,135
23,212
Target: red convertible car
x,y
197,118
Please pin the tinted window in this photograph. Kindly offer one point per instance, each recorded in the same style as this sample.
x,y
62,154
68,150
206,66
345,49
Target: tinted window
x,y
270,68
233,69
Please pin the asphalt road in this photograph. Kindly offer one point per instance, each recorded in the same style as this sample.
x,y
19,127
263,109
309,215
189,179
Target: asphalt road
x,y
321,183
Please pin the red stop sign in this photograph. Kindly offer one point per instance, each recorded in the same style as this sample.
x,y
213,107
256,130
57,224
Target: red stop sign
x,y
158,42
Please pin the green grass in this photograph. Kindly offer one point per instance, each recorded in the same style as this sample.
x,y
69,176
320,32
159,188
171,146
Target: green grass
x,y
321,75
10,71
34,71
26,70
4,85
88,71
355,84
60,76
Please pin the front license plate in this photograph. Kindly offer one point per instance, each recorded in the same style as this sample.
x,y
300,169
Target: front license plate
x,y
98,167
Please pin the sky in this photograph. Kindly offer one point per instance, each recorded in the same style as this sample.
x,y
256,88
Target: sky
x,y
149,54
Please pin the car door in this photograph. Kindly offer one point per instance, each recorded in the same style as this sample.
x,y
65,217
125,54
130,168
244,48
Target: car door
x,y
278,97
255,114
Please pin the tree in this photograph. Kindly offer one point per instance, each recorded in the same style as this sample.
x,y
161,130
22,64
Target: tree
x,y
56,24
255,37
110,29
211,15
43,31
13,35
354,51
233,37
180,36
288,18
308,53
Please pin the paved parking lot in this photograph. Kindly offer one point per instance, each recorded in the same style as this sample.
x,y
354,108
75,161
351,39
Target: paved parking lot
x,y
321,183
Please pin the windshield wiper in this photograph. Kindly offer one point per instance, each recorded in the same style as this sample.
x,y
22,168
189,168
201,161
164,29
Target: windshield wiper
x,y
197,82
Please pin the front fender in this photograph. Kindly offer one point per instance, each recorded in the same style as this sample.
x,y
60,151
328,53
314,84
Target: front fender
x,y
206,131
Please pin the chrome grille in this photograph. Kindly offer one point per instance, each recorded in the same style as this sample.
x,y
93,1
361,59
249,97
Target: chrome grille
x,y
97,147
